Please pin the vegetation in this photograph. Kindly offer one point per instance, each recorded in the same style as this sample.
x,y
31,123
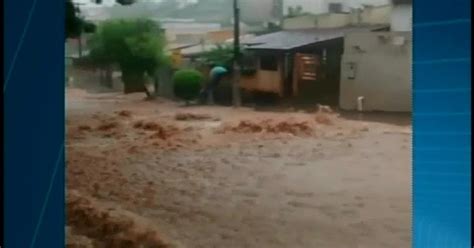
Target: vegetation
x,y
137,46
187,84
222,55
75,25
73,22
89,27
295,11
121,2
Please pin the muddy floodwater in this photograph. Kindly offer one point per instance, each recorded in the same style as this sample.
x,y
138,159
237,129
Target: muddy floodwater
x,y
162,175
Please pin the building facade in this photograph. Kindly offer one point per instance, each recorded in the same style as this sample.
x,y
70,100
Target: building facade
x,y
402,16
369,15
325,6
377,68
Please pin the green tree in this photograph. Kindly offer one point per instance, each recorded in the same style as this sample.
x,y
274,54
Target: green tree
x,y
137,46
295,11
221,55
121,2
89,27
73,22
187,84
75,25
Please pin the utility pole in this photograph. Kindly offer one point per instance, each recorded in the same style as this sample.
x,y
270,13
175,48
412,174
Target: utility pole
x,y
80,43
81,27
236,100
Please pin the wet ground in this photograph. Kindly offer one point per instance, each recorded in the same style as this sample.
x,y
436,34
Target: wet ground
x,y
227,177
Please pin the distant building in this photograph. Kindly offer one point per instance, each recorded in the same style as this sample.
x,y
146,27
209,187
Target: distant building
x,y
370,15
187,32
334,6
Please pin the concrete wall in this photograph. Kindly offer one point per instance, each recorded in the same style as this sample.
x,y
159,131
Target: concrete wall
x,y
307,21
372,15
189,31
220,36
329,20
359,3
401,18
321,6
332,20
91,79
382,63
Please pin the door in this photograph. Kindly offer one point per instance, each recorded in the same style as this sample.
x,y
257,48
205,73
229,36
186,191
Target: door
x,y
305,75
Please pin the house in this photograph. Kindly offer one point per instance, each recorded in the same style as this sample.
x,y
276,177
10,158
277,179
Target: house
x,y
330,6
302,64
220,36
376,67
368,15
187,32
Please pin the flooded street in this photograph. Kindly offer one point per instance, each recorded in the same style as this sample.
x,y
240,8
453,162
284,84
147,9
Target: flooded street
x,y
224,177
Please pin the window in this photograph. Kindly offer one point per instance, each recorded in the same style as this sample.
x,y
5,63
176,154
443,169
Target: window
x,y
249,64
268,63
335,7
351,72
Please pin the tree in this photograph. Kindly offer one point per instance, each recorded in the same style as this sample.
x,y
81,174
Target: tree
x,y
75,25
295,11
137,46
125,2
89,27
73,22
221,55
121,2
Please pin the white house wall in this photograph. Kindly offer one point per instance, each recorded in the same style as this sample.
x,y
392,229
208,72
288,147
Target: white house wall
x,y
375,15
299,22
332,20
401,18
381,74
321,6
360,3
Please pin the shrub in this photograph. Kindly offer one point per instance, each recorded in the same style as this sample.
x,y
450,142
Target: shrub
x,y
187,84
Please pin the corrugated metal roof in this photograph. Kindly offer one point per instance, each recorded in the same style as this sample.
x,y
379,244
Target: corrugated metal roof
x,y
290,39
177,46
198,49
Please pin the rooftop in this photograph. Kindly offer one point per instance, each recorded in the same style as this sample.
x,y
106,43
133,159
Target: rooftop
x,y
290,39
